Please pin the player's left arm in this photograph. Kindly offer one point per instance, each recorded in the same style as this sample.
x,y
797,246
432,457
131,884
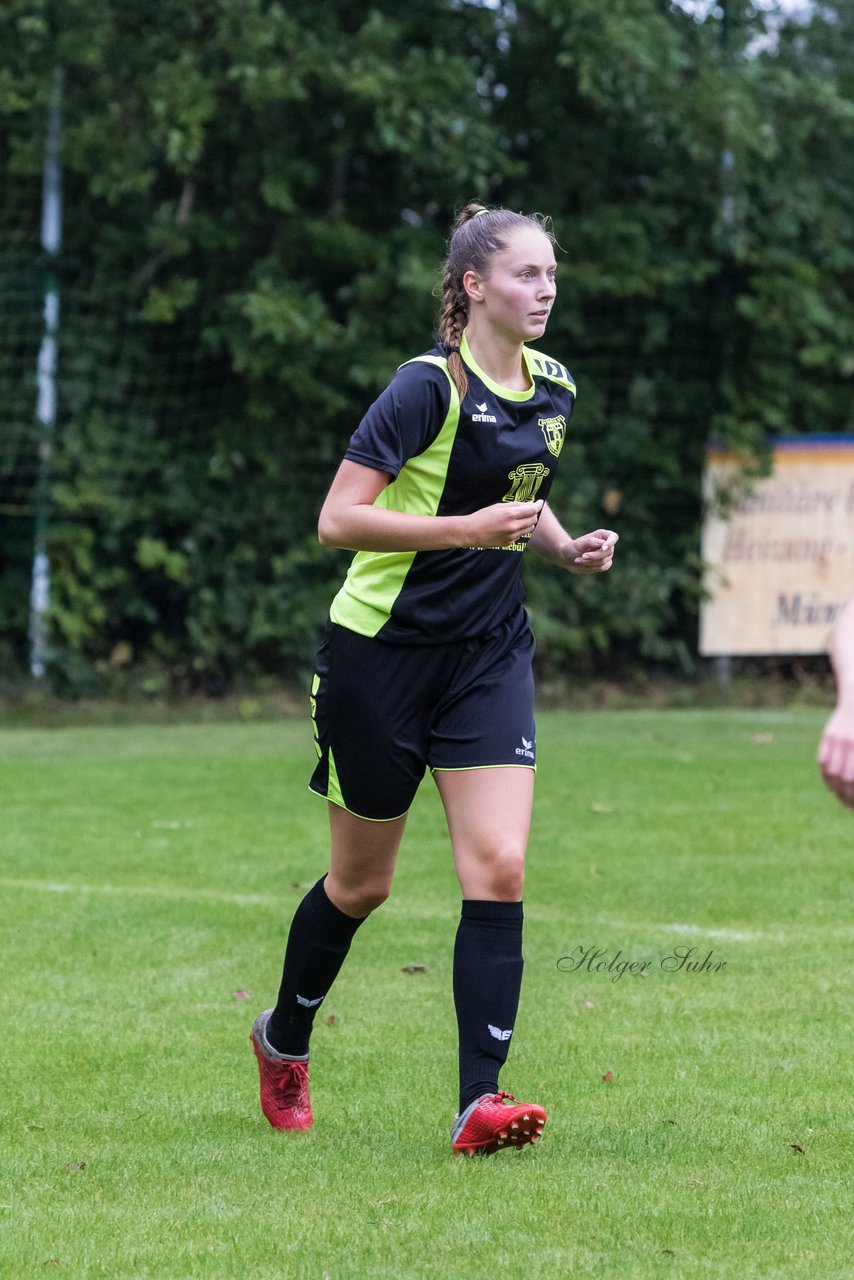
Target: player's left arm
x,y
589,553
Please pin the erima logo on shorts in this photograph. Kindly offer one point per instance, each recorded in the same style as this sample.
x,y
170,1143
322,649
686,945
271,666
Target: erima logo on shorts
x,y
498,1034
526,749
482,415
309,1004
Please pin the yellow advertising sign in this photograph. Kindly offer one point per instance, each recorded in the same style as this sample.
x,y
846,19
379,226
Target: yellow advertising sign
x,y
780,560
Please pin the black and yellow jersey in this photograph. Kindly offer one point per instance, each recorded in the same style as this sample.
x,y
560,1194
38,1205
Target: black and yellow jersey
x,y
446,459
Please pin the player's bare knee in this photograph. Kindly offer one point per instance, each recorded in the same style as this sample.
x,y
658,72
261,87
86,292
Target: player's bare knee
x,y
506,875
362,900
357,897
373,899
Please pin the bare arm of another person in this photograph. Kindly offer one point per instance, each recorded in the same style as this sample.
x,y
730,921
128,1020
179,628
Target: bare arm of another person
x,y
836,749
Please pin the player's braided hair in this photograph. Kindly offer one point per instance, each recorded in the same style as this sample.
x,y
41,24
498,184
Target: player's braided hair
x,y
477,235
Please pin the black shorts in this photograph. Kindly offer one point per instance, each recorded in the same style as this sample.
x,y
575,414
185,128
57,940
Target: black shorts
x,y
383,713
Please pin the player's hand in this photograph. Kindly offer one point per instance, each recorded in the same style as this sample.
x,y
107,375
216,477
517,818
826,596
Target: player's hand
x,y
501,524
592,552
836,754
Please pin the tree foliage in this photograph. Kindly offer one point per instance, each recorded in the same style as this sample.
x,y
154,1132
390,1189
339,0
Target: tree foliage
x,y
256,196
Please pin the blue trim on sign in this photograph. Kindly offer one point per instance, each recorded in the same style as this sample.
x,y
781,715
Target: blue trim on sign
x,y
815,442
787,442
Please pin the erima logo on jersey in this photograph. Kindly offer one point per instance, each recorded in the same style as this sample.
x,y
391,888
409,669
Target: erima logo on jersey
x,y
308,1004
498,1033
482,415
526,749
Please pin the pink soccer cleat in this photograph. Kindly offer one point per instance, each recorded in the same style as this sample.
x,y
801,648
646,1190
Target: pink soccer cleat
x,y
496,1121
285,1098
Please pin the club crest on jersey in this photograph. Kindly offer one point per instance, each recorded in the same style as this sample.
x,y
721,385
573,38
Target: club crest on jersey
x,y
554,430
525,482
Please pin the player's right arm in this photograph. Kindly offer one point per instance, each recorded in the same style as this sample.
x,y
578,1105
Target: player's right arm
x,y
350,520
836,749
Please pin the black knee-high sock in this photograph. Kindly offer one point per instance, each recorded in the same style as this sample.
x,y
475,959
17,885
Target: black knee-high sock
x,y
487,981
318,943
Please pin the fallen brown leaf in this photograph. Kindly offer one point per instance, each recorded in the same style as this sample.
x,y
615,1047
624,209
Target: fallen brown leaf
x,y
414,968
330,1021
795,1147
75,1165
240,994
608,1076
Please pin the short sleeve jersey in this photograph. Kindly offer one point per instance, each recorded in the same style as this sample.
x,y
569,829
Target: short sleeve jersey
x,y
446,459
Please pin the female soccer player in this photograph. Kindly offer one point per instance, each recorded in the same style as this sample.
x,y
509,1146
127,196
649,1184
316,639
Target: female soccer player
x,y
426,661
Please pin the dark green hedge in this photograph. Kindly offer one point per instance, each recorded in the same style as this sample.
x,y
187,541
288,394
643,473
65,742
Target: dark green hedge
x,y
256,197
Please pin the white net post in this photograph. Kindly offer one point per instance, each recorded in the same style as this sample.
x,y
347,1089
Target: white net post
x,y
51,240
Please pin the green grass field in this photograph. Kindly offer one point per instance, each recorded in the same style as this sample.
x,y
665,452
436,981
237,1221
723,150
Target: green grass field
x,y
150,873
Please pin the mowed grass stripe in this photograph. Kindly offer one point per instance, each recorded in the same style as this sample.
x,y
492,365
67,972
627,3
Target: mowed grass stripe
x,y
150,873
